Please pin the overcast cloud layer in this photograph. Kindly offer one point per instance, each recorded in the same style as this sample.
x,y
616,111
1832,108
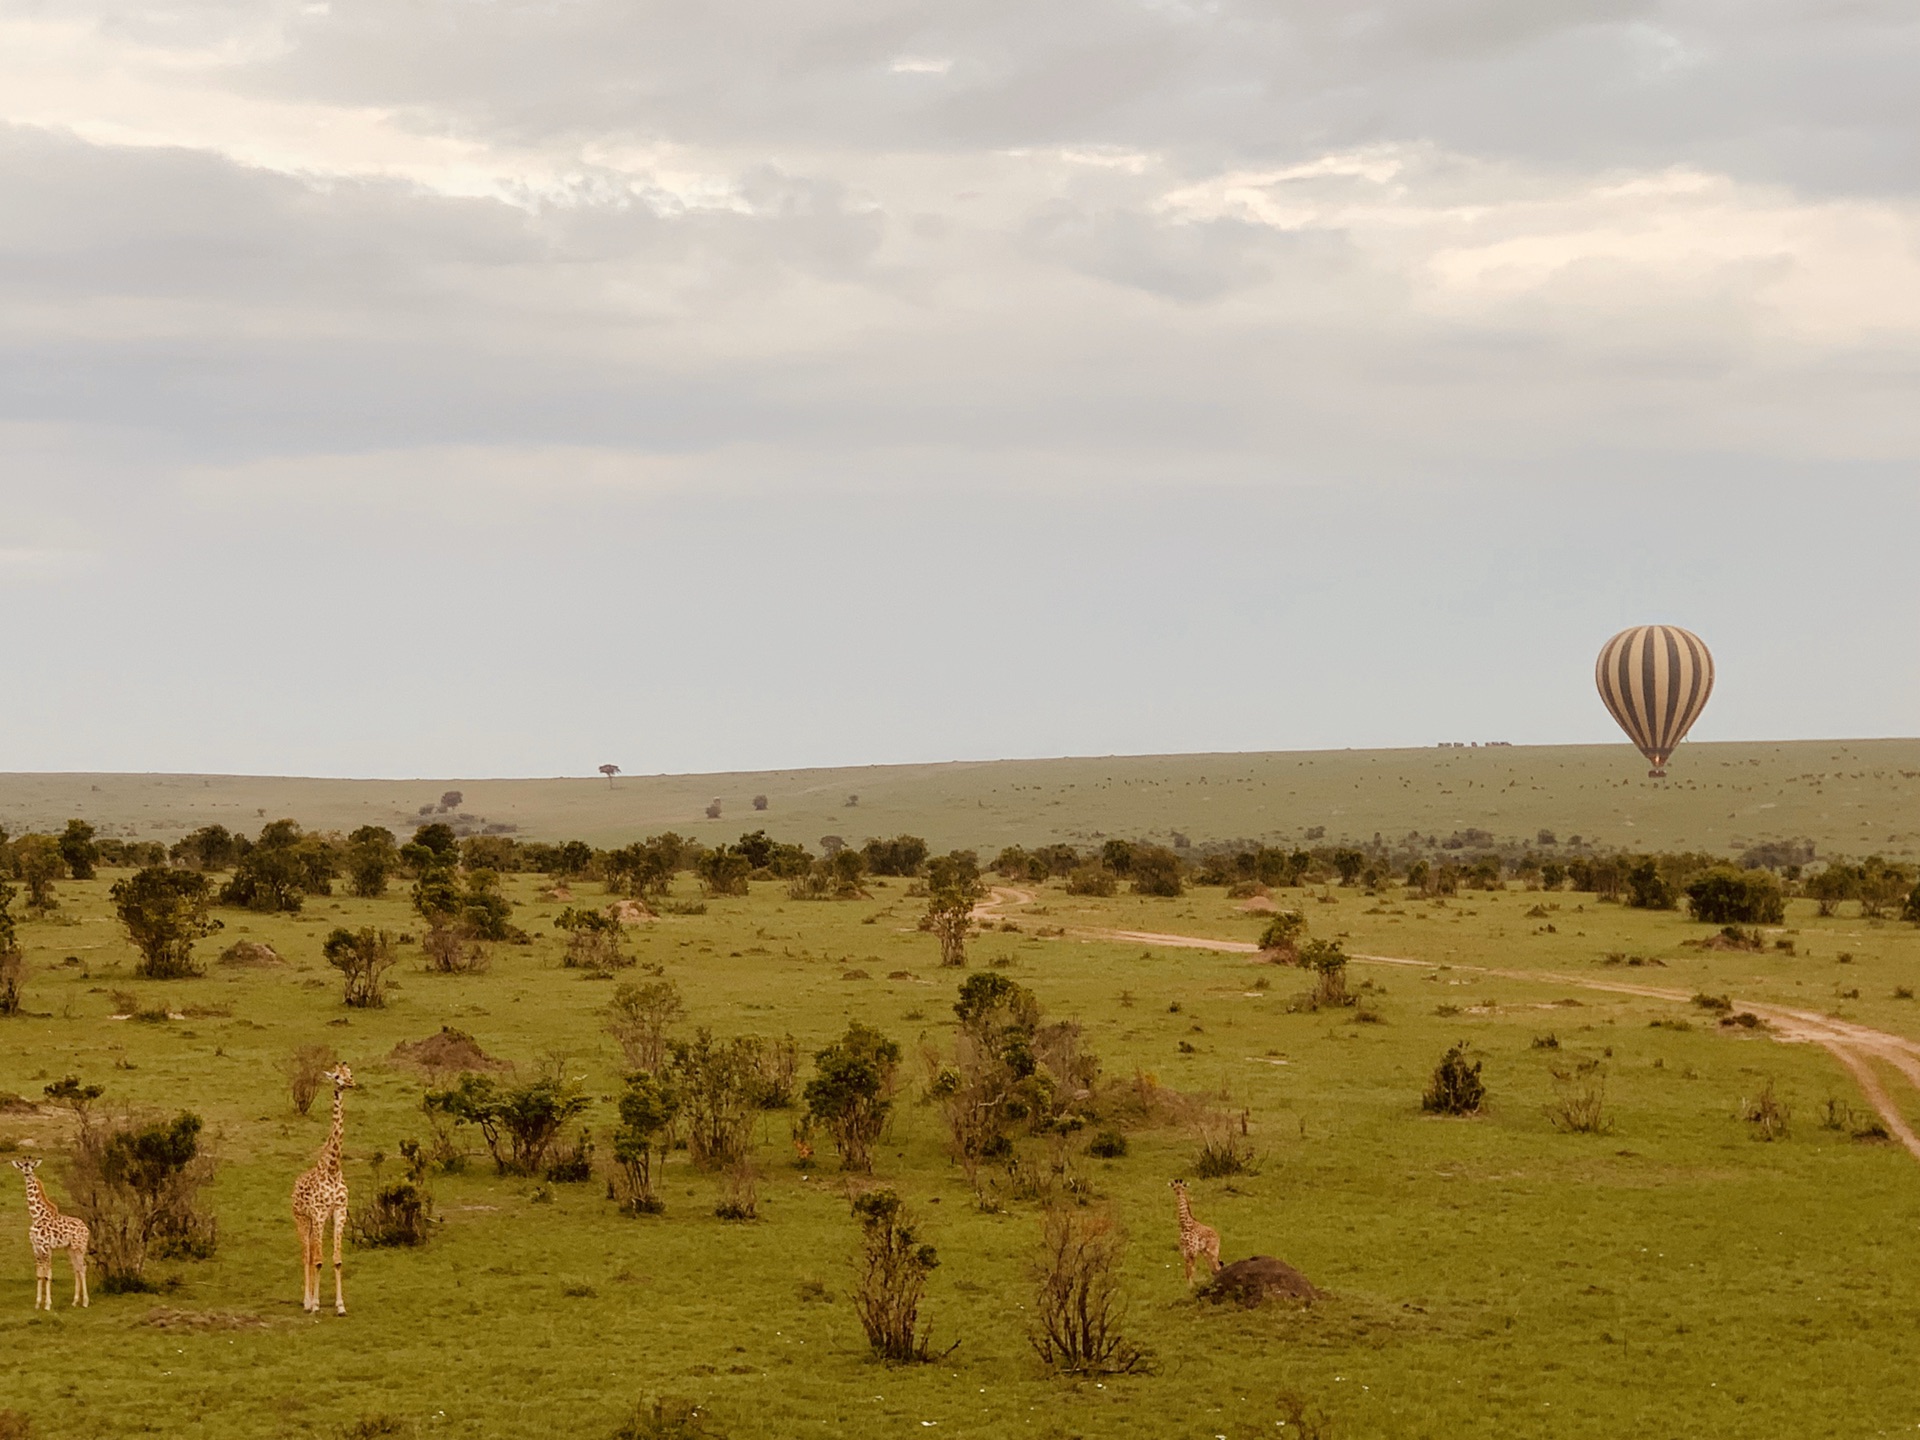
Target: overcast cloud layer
x,y
469,388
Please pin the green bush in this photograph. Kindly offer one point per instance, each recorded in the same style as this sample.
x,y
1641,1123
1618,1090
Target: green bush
x,y
1726,896
1455,1087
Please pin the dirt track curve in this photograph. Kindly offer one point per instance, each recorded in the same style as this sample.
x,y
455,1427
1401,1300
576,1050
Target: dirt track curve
x,y
1854,1046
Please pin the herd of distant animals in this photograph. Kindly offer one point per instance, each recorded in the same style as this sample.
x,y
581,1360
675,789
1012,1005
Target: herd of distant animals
x,y
320,1196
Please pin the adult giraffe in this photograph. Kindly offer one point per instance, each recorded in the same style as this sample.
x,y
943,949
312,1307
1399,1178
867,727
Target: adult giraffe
x,y
319,1194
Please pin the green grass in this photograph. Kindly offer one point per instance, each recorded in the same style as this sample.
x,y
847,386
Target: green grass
x,y
1852,797
1488,1276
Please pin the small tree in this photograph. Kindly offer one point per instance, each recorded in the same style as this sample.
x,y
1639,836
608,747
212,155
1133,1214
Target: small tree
x,y
78,849
1725,896
639,1018
13,962
1155,870
724,870
609,771
372,859
362,957
953,889
520,1123
893,1268
849,1094
1329,964
759,802
717,1081
648,1108
593,940
1647,888
1456,1087
1280,941
164,911
451,800
138,1187
1078,1312
38,859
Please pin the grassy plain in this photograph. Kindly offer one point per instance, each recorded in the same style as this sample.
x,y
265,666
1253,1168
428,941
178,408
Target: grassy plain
x,y
1851,797
1488,1276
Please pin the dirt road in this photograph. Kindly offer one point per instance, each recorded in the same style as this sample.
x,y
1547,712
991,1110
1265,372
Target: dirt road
x,y
1855,1046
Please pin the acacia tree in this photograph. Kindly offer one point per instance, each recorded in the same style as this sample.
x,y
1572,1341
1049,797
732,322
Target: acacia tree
x,y
372,857
953,889
362,957
850,1093
609,771
78,849
165,911
38,859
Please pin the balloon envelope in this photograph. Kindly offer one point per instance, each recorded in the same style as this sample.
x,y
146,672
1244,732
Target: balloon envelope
x,y
1656,680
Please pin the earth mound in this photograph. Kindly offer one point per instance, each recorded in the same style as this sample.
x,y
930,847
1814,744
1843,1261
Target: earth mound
x,y
629,912
1261,1277
252,953
450,1050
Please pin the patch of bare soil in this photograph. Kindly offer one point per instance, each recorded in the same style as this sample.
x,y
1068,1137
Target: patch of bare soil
x,y
450,1050
1258,905
556,892
1250,1282
630,912
251,953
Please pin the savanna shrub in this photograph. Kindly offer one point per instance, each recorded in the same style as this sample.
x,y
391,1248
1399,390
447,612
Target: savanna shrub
x,y
1455,1087
1078,1312
305,1068
520,1123
138,1184
1725,896
893,1268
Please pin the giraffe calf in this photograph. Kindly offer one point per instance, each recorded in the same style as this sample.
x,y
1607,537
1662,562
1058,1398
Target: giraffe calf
x,y
47,1231
1197,1241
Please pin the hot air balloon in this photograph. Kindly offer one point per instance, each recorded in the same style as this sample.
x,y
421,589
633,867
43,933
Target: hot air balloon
x,y
1656,680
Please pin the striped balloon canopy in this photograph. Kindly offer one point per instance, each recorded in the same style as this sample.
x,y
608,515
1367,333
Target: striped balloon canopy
x,y
1656,680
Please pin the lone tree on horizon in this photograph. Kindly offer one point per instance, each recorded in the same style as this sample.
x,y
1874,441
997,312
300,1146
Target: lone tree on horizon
x,y
609,771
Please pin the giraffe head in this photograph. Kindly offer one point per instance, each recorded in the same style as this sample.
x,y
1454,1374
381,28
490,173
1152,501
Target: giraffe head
x,y
342,1078
26,1167
1179,1187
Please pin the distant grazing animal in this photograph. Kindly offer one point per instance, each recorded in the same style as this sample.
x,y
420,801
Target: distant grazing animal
x,y
47,1231
321,1194
1197,1241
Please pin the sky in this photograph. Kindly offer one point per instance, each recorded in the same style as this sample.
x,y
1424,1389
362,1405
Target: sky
x,y
471,387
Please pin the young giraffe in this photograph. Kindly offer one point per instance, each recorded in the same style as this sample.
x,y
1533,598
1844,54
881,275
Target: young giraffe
x,y
47,1231
317,1195
1196,1240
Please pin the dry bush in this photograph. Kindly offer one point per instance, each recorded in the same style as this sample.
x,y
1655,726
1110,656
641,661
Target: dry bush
x,y
893,1268
739,1191
453,949
305,1068
1223,1152
1767,1113
717,1082
639,1019
1303,1421
593,941
1579,1104
665,1419
1078,1312
15,1426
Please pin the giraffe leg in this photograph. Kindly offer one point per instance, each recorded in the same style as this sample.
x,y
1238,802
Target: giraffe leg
x,y
1186,1258
339,1234
80,1277
43,1281
305,1228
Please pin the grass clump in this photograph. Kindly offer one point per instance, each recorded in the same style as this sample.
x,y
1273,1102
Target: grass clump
x,y
1579,1104
1767,1114
666,1419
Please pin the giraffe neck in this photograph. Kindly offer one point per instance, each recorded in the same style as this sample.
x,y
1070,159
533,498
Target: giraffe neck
x,y
1186,1215
330,1152
38,1205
